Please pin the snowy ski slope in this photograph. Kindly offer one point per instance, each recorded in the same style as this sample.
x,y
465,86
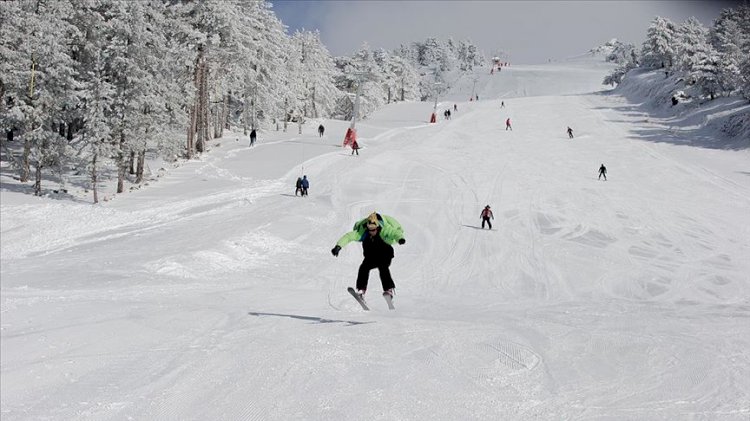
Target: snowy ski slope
x,y
211,294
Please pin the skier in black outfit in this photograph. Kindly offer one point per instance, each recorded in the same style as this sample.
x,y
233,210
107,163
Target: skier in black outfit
x,y
377,233
253,136
298,185
570,132
486,215
603,172
321,130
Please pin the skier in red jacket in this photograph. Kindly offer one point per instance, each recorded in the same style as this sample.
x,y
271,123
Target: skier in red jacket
x,y
486,215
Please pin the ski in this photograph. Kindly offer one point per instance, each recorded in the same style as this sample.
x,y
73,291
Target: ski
x,y
359,298
389,300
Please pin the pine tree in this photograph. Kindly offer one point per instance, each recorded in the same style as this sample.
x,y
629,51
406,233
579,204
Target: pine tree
x,y
691,44
37,82
318,73
658,49
725,38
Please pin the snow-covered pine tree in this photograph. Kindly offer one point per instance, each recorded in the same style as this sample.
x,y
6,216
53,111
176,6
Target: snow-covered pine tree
x,y
658,49
97,109
732,44
706,73
208,28
39,83
622,53
400,79
367,72
318,73
267,79
133,53
691,41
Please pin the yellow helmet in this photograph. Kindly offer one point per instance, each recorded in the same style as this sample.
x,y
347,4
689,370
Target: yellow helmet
x,y
373,219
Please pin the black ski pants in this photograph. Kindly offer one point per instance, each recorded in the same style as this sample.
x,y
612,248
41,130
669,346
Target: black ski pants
x,y
383,265
487,220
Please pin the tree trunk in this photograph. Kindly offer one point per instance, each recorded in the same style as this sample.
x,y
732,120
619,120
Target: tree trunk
x,y
25,165
120,177
216,114
203,107
191,132
286,116
131,164
198,133
199,121
205,103
141,164
38,180
225,115
244,116
94,179
121,165
314,107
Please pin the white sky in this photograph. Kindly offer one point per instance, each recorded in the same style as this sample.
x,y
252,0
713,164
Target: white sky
x,y
528,31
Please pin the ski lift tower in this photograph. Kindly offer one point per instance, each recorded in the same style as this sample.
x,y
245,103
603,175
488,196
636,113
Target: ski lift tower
x,y
351,133
436,83
474,88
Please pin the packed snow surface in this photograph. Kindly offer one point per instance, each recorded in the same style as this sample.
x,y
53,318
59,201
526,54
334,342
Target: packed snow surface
x,y
212,294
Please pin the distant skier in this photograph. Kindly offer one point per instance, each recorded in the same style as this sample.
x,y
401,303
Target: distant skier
x,y
477,97
305,185
502,104
321,130
298,186
377,233
570,132
603,172
355,147
350,135
507,125
486,215
253,136
455,108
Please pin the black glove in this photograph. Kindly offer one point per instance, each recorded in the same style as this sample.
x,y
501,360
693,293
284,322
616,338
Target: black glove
x,y
335,250
402,241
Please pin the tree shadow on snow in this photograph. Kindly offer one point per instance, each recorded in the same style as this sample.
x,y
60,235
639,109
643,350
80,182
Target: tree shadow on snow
x,y
688,125
312,319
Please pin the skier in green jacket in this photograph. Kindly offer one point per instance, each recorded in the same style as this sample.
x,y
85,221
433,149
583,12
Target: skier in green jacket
x,y
377,233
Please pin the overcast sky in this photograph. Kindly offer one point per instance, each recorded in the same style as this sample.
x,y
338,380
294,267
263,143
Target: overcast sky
x,y
527,31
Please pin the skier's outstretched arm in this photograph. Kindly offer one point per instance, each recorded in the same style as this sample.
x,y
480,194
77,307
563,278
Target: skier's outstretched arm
x,y
392,231
344,240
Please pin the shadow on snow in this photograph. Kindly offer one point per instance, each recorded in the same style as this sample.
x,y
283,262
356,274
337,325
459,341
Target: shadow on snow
x,y
312,319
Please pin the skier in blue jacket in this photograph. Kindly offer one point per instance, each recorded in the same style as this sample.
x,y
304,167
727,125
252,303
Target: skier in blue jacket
x,y
305,185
